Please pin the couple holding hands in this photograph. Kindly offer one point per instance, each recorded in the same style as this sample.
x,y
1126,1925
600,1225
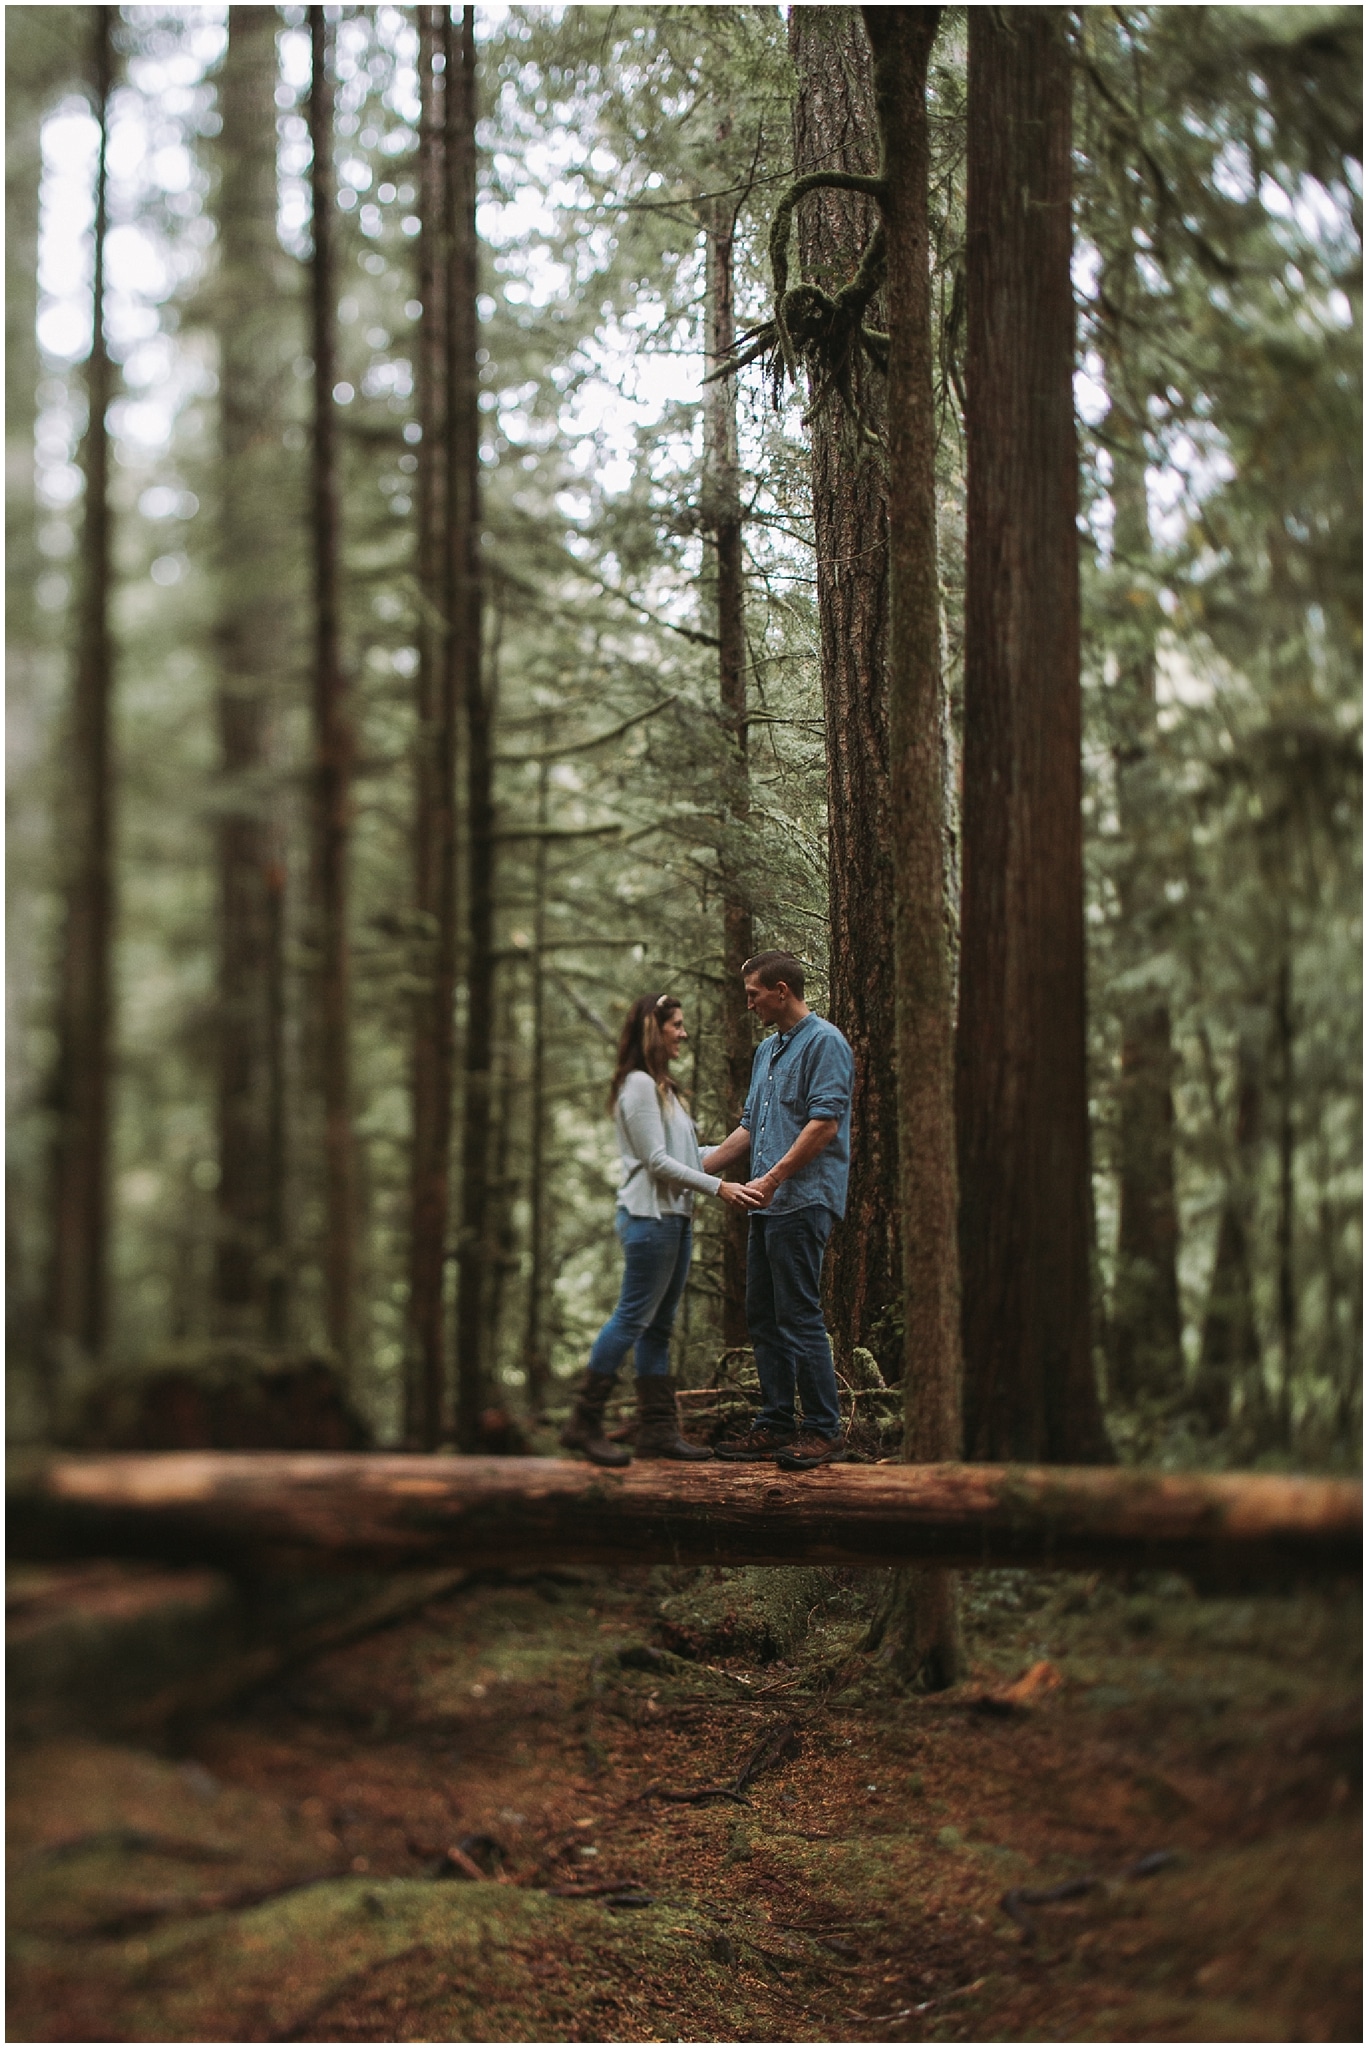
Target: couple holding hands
x,y
795,1132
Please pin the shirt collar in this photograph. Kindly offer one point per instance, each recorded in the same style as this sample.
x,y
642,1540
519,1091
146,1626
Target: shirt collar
x,y
783,1039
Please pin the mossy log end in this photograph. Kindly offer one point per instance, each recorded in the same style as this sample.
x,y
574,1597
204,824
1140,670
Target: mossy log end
x,y
272,1509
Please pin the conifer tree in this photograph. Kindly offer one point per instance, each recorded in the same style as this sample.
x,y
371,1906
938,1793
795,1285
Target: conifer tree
x,y
470,690
721,504
251,637
901,39
80,1099
434,838
1025,1186
332,741
835,128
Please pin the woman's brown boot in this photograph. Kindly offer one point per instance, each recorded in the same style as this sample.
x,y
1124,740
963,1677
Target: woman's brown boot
x,y
584,1430
658,1421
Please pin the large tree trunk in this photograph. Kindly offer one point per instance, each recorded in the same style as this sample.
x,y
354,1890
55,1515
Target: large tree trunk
x,y
1146,1323
332,746
253,633
471,693
901,38
1025,1220
77,1305
722,518
435,808
834,128
397,1513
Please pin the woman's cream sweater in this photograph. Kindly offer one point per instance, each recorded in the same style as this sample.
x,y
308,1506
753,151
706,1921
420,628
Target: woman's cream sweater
x,y
661,1163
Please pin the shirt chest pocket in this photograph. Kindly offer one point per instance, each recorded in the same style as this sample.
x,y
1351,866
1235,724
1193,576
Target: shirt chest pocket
x,y
791,1092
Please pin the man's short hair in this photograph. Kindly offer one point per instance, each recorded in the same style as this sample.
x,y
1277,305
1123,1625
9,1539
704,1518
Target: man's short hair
x,y
771,968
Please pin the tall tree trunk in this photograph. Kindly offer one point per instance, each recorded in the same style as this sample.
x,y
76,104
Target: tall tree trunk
x,y
1026,1192
332,744
77,1307
470,693
1229,1356
503,1180
722,517
834,128
250,1266
1146,1324
277,1306
536,1363
23,179
1284,1030
901,38
435,809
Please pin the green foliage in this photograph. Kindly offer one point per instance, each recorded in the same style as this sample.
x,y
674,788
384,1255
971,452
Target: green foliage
x,y
1218,212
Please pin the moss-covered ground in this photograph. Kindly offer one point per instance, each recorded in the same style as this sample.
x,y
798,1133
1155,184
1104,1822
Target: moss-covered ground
x,y
453,1830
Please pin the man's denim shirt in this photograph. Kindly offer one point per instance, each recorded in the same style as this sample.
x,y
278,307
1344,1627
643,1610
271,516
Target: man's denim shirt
x,y
795,1076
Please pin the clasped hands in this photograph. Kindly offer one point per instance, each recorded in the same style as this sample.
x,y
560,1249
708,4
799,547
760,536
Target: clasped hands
x,y
745,1195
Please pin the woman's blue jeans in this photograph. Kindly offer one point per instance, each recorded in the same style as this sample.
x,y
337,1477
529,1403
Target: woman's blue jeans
x,y
658,1251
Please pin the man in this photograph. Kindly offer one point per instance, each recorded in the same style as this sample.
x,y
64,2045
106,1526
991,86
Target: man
x,y
795,1128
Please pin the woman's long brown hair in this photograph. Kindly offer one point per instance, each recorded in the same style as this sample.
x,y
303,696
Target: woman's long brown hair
x,y
641,1048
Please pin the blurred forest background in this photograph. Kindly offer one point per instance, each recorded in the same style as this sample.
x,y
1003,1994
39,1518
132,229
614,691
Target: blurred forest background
x,y
322,921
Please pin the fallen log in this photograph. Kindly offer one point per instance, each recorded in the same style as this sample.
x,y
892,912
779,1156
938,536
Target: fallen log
x,y
296,1510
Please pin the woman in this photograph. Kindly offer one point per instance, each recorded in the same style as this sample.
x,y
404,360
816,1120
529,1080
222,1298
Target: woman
x,y
661,1173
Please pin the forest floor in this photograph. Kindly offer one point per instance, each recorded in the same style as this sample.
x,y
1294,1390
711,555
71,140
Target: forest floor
x,y
453,1830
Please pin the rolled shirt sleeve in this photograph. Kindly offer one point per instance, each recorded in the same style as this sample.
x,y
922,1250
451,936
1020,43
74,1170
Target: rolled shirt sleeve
x,y
830,1078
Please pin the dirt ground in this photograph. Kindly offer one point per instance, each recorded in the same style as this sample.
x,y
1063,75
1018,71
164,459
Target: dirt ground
x,y
456,1829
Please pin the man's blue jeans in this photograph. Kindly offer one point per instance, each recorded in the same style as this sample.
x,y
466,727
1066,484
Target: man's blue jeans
x,y
784,1314
658,1251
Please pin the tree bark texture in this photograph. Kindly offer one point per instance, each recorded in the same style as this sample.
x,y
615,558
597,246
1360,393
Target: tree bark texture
x,y
252,636
722,517
1025,1218
1146,1322
396,1512
78,1273
471,693
901,39
435,851
333,745
835,128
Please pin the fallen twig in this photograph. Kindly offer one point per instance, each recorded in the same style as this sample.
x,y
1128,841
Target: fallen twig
x,y
625,1895
907,2012
773,1745
768,1751
1014,1903
695,1798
